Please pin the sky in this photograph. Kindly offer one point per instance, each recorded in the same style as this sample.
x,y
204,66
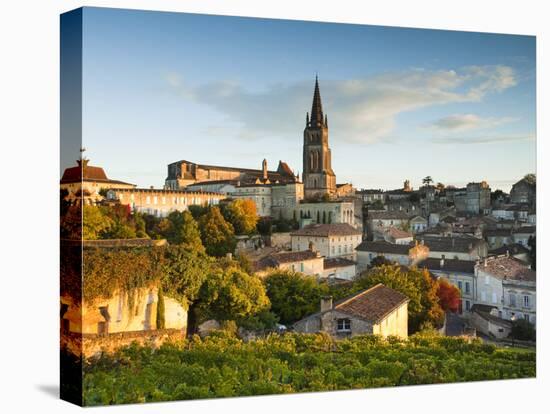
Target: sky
x,y
401,103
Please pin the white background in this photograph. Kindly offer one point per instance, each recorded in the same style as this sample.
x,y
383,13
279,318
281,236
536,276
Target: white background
x,y
29,157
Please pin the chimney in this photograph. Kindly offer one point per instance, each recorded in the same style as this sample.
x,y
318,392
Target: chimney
x,y
229,256
264,169
442,261
507,253
485,262
311,246
326,303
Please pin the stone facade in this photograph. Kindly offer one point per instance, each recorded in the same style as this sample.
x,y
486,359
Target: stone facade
x,y
159,202
333,241
318,177
329,212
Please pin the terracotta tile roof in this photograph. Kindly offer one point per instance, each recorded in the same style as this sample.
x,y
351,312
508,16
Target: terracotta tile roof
x,y
398,234
507,268
335,262
372,304
327,230
87,173
276,259
382,246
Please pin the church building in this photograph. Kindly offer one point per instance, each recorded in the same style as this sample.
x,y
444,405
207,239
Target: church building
x,y
318,178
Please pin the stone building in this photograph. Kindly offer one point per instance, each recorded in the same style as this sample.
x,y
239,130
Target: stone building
x,y
331,240
329,212
309,262
279,201
476,200
318,177
339,269
524,191
403,254
160,202
454,247
509,285
184,173
84,182
378,310
379,221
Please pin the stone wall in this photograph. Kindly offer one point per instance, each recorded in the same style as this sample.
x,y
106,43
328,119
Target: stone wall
x,y
90,345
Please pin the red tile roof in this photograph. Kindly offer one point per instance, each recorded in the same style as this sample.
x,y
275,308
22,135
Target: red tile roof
x,y
373,304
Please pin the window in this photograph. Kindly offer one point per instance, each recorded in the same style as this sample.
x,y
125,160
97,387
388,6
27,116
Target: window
x,y
467,305
344,325
526,317
512,299
460,285
494,297
526,301
467,287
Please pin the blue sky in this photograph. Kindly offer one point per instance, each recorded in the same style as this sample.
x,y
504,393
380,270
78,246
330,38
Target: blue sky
x,y
401,103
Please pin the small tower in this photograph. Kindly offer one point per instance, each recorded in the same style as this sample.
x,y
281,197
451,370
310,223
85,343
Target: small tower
x,y
264,170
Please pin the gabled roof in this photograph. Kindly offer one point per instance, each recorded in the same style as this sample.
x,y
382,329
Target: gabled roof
x,y
84,172
327,230
512,249
382,246
398,234
463,244
373,304
276,259
448,265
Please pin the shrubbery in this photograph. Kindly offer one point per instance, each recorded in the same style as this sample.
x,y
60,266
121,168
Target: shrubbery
x,y
223,366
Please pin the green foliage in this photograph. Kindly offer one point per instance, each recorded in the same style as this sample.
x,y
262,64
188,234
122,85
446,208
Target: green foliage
x,y
218,236
94,223
241,213
530,178
523,330
198,211
224,366
181,228
229,293
379,261
377,205
264,226
161,322
184,272
293,295
260,322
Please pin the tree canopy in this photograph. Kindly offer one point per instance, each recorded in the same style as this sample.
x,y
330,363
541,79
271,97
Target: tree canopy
x,y
293,295
217,235
242,215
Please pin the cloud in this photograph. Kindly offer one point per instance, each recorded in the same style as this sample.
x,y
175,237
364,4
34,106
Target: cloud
x,y
362,110
463,122
485,139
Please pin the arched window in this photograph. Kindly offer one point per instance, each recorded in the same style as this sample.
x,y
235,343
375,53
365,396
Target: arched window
x,y
316,163
319,160
311,161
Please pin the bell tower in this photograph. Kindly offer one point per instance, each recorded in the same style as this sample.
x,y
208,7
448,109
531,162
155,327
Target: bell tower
x,y
318,178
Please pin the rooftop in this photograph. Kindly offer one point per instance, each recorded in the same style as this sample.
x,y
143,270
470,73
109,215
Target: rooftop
x,y
451,265
464,244
507,268
84,172
327,230
382,246
276,259
372,304
387,215
335,262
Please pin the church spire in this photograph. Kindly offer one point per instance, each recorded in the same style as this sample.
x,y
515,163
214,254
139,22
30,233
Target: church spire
x,y
316,107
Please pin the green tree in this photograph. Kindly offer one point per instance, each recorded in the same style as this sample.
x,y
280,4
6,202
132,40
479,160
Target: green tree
x,y
161,322
427,180
241,213
218,236
94,223
523,330
293,295
230,293
530,178
181,228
